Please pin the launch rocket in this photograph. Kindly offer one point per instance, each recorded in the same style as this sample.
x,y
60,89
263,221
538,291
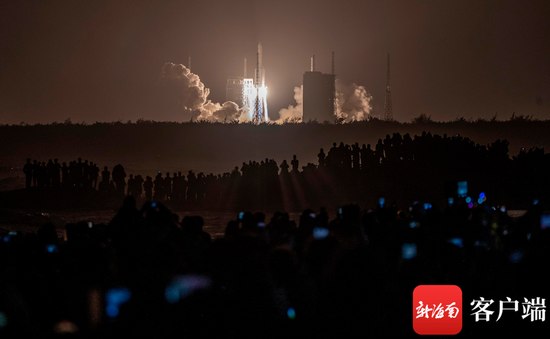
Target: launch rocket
x,y
260,72
260,107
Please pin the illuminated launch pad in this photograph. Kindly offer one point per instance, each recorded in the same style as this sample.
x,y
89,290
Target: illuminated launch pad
x,y
250,93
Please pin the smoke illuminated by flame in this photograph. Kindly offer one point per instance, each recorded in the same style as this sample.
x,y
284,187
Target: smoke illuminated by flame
x,y
352,104
191,97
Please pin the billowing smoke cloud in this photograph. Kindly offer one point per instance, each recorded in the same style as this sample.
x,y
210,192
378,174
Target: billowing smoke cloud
x,y
352,104
293,113
228,112
190,95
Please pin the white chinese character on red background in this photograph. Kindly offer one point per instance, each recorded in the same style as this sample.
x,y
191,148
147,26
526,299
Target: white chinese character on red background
x,y
422,311
438,311
453,311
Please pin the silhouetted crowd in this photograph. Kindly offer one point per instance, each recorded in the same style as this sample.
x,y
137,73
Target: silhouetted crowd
x,y
342,174
426,147
149,274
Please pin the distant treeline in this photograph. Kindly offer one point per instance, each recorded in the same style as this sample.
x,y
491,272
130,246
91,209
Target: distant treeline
x,y
214,147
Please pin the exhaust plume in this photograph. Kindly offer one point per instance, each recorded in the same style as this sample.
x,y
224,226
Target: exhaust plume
x,y
293,113
191,96
352,104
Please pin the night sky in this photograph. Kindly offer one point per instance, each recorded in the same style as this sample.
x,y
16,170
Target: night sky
x,y
101,60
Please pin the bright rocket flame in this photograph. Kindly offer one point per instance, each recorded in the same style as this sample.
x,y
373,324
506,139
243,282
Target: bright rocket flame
x,y
250,93
263,100
263,91
249,97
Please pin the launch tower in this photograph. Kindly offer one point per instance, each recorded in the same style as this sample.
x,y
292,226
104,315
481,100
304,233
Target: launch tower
x,y
319,95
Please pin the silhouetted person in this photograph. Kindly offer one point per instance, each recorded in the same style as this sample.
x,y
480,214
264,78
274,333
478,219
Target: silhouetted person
x,y
407,147
79,169
388,150
235,174
139,186
183,187
27,169
94,174
35,171
148,188
284,167
355,151
106,175
379,151
42,175
322,158
49,171
72,174
118,178
131,186
191,187
396,142
295,163
201,187
332,158
346,158
341,154
158,186
364,158
65,175
56,173
367,157
167,186
86,175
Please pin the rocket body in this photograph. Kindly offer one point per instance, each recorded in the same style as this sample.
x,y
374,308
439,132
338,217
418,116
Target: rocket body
x,y
260,52
260,107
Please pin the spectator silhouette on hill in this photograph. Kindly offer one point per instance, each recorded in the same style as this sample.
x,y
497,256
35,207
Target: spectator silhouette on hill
x,y
28,169
94,174
158,186
65,175
106,175
355,153
119,178
35,171
321,158
295,163
167,187
284,168
148,188
56,173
